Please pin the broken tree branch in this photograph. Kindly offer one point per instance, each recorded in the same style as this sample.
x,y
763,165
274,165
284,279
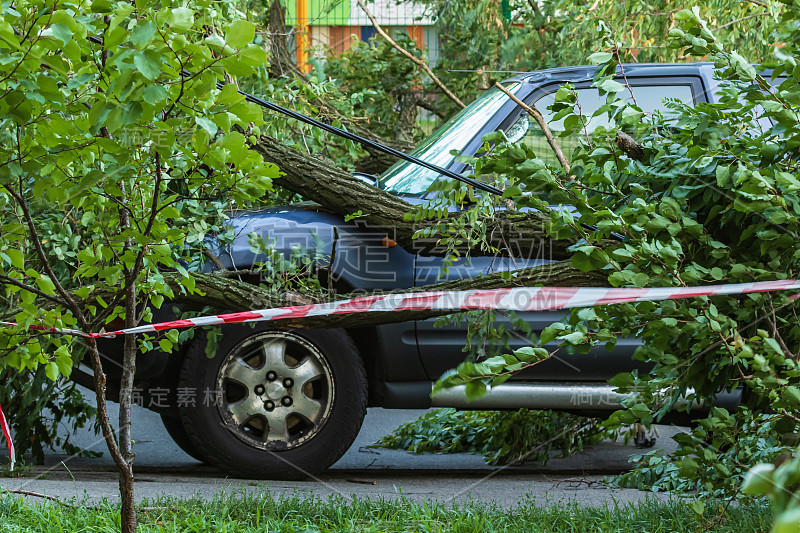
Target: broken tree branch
x,y
47,497
226,294
537,116
411,57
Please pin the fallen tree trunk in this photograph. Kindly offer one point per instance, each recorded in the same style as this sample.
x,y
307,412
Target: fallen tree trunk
x,y
518,234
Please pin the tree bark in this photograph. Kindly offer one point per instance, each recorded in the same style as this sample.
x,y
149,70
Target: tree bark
x,y
126,478
519,234
128,520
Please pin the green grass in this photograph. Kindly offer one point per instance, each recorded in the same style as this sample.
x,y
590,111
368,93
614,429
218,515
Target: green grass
x,y
21,469
264,513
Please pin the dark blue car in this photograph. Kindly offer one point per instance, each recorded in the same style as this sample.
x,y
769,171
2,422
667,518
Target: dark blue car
x,y
277,403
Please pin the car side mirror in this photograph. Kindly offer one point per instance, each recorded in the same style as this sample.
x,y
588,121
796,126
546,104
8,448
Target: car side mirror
x,y
366,178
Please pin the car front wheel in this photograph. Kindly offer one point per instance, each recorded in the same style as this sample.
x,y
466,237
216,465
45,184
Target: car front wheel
x,y
274,404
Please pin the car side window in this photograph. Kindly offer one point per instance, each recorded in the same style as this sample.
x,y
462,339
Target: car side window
x,y
649,98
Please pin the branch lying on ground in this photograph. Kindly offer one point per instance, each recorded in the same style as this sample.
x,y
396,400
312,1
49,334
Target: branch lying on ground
x,y
46,497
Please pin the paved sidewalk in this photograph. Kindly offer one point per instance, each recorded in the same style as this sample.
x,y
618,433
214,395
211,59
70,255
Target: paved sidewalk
x,y
503,490
162,468
155,449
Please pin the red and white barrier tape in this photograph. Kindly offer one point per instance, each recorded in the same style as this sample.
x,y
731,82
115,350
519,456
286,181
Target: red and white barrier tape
x,y
7,433
515,299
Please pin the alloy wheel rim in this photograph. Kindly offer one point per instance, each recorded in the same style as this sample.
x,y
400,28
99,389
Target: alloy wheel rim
x,y
276,391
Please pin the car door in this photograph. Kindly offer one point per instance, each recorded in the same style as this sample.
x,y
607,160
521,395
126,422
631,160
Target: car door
x,y
441,347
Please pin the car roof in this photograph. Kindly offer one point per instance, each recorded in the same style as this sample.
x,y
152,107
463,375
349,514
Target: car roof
x,y
586,72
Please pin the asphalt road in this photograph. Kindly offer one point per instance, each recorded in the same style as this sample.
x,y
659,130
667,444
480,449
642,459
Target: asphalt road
x,y
362,472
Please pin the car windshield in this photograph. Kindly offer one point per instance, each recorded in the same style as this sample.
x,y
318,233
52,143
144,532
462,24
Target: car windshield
x,y
409,178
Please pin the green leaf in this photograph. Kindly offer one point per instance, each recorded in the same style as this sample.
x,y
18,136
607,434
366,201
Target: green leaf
x,y
254,53
531,354
51,370
46,285
611,86
131,112
475,390
698,507
717,273
86,256
791,395
773,344
247,112
582,262
240,33
61,32
576,337
215,42
743,67
154,94
787,522
148,62
181,19
206,124
234,143
600,57
63,361
143,33
163,250
549,333
631,115
16,257
499,380
101,6
640,411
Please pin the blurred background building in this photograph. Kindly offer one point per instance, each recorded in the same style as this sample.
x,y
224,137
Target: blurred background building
x,y
333,25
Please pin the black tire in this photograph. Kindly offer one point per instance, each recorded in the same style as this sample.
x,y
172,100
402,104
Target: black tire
x,y
255,431
177,432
